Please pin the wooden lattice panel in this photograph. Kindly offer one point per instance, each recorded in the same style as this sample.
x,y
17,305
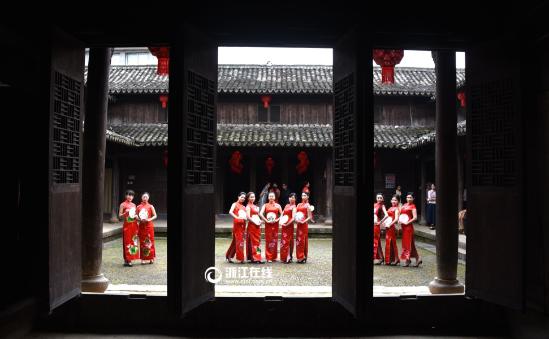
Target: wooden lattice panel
x,y
493,134
344,126
66,130
200,130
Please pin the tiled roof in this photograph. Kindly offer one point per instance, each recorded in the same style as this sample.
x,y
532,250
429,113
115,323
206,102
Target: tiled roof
x,y
276,79
388,136
276,135
431,136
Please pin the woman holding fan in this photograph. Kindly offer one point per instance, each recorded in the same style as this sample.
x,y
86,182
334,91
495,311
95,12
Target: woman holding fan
x,y
380,213
391,248
253,234
146,214
302,216
270,213
287,224
408,214
238,212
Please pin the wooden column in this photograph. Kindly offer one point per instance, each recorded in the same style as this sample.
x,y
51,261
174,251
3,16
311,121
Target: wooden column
x,y
446,173
253,176
115,189
93,173
422,190
285,168
329,187
460,176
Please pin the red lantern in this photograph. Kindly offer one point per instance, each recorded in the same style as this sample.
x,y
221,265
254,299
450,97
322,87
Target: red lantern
x,y
303,163
165,159
461,98
164,101
387,59
163,56
269,164
236,162
266,99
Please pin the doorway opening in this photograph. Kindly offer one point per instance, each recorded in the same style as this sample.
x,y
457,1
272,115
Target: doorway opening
x,y
134,256
274,133
404,167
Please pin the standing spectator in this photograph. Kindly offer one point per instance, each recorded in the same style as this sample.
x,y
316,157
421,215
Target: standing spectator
x,y
263,194
306,188
431,207
284,194
398,195
276,191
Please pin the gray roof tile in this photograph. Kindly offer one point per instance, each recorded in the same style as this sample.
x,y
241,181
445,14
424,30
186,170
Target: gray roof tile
x,y
276,79
276,135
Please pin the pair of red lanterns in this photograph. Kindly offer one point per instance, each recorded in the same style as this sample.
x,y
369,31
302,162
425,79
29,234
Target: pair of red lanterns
x,y
236,166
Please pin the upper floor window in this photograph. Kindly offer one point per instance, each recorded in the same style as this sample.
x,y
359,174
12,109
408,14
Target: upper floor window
x,y
270,114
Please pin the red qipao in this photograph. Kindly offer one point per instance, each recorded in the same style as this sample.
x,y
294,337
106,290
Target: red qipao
x,y
271,232
391,249
287,241
239,226
146,232
378,253
253,237
130,236
408,243
302,234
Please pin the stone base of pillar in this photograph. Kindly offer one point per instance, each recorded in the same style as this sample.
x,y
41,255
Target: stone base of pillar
x,y
442,286
97,284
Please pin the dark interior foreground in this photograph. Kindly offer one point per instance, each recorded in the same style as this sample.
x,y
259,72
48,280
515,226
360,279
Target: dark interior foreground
x,y
49,241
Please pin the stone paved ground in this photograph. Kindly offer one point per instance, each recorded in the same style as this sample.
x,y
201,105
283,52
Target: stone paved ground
x,y
316,272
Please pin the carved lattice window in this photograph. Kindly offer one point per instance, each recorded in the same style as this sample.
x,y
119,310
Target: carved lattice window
x,y
200,129
493,134
344,126
66,130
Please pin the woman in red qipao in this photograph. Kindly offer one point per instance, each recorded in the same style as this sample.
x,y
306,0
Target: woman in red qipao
x,y
146,214
380,213
391,248
287,241
302,216
271,213
130,237
253,234
238,212
408,244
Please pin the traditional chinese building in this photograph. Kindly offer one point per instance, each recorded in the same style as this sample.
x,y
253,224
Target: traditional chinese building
x,y
274,124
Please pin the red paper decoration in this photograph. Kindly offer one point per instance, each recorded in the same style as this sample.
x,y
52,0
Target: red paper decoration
x,y
236,162
387,59
461,98
269,164
164,101
303,163
266,99
163,56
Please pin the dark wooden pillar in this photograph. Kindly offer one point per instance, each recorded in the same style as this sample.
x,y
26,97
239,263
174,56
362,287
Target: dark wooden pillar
x,y
329,187
115,189
253,177
93,173
422,191
446,173
460,175
285,167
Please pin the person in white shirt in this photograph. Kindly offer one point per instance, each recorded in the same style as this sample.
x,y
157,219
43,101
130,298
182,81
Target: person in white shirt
x,y
431,207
